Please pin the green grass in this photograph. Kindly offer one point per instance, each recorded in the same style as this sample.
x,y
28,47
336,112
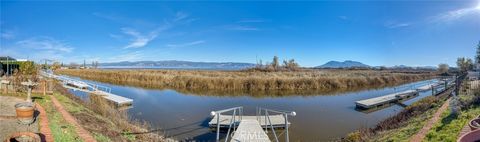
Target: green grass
x,y
404,133
61,129
448,129
101,138
74,107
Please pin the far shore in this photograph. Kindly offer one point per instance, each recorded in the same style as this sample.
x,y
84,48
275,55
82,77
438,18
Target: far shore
x,y
318,81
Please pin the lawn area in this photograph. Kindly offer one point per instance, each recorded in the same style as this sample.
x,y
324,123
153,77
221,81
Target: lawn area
x,y
102,129
450,126
448,129
61,129
404,133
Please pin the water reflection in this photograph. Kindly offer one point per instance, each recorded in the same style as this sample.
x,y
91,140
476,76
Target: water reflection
x,y
320,117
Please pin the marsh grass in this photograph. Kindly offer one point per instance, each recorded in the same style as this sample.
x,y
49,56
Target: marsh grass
x,y
188,80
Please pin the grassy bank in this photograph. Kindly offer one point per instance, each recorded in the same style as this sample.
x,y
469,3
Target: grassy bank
x,y
448,129
318,80
105,122
403,125
97,116
61,129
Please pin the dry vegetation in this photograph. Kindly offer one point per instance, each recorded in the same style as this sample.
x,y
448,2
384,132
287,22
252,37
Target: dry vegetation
x,y
103,120
318,80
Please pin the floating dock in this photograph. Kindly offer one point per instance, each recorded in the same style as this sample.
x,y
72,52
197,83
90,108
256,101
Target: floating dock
x,y
382,100
249,131
430,86
250,128
278,121
90,88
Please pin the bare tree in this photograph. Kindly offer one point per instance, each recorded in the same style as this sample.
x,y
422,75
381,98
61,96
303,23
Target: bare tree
x,y
275,64
443,68
477,57
55,66
464,64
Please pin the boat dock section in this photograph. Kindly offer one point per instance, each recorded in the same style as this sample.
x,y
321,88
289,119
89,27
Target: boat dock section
x,y
250,128
89,88
249,131
278,121
379,101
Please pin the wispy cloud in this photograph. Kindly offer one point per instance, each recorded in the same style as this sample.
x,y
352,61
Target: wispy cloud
x,y
393,25
241,28
7,35
130,56
186,44
251,21
45,43
343,17
451,16
180,16
39,48
139,39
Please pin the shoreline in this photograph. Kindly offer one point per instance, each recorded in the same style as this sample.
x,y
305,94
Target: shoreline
x,y
219,83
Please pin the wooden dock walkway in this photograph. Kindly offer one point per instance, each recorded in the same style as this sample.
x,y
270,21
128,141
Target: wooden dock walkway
x,y
249,131
250,128
278,121
382,100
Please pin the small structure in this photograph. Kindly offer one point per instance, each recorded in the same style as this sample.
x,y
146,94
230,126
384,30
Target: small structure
x,y
5,83
30,86
8,65
473,75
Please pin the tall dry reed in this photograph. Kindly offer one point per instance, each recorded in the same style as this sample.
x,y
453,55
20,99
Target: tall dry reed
x,y
320,80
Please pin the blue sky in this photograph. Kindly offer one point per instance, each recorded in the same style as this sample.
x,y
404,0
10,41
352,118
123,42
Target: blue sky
x,y
387,33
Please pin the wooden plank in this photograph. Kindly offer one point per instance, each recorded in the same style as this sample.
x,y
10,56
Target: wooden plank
x,y
249,131
278,121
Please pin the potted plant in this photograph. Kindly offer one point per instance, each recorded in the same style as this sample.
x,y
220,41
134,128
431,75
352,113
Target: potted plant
x,y
25,112
474,124
23,137
472,136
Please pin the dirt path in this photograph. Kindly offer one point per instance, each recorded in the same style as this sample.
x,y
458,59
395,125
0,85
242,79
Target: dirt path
x,y
84,134
44,128
436,117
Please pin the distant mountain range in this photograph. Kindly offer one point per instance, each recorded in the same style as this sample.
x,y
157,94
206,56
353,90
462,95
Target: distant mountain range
x,y
355,64
344,64
177,64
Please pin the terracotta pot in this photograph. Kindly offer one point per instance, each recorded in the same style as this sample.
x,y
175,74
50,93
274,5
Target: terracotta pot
x,y
25,112
474,124
23,137
473,136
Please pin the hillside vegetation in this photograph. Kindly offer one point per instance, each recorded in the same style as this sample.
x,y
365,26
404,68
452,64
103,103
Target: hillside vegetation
x,y
320,80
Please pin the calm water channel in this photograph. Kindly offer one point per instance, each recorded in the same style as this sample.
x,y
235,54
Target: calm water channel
x,y
319,117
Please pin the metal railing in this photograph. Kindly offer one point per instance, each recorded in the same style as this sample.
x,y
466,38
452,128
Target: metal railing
x,y
236,111
266,112
65,80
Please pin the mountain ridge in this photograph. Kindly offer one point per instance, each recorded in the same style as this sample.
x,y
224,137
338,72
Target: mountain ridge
x,y
344,64
178,64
